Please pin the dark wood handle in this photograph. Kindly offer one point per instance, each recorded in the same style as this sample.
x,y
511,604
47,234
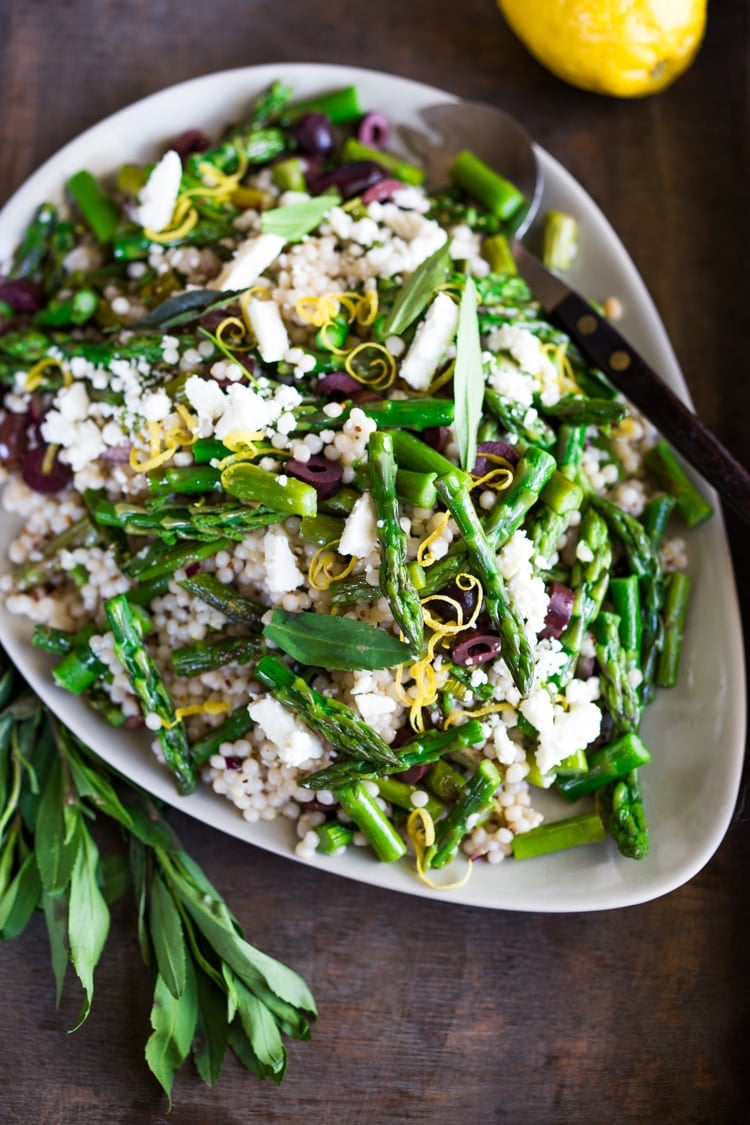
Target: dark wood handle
x,y
628,371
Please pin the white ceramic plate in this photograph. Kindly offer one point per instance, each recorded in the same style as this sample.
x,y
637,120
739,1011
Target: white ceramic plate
x,y
695,731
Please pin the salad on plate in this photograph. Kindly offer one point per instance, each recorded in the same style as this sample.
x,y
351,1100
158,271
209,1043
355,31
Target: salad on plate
x,y
311,491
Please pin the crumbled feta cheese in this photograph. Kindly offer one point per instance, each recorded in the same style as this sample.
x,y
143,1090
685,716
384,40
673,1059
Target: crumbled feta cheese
x,y
360,534
251,258
156,199
282,573
295,744
430,343
270,331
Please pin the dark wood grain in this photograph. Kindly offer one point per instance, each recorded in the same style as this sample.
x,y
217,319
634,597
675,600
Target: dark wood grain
x,y
432,1012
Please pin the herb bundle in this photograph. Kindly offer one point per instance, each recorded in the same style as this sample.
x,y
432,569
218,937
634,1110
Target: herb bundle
x,y
213,990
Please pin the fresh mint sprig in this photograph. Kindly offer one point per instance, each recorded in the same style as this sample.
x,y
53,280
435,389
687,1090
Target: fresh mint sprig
x,y
213,990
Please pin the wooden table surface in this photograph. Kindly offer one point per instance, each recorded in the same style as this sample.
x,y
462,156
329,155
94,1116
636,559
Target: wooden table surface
x,y
431,1012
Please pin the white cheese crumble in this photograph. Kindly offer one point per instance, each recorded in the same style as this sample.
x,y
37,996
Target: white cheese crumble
x,y
270,331
156,199
282,573
294,743
360,534
251,258
431,341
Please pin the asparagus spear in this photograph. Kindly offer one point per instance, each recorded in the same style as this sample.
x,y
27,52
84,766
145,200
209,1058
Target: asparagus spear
x,y
235,607
619,695
32,250
193,660
395,581
557,835
516,648
147,683
675,612
475,799
419,751
620,805
589,579
332,719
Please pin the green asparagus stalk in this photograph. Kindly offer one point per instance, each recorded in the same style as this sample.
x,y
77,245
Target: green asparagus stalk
x,y
677,596
236,608
692,506
516,650
477,796
98,210
400,793
395,581
202,656
610,763
619,695
557,835
234,727
498,195
333,837
580,410
371,821
421,750
620,805
329,717
147,683
560,240
34,246
589,580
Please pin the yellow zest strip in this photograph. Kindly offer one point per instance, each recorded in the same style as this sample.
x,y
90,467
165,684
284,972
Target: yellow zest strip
x,y
558,353
154,437
211,707
48,460
35,375
497,479
222,182
328,343
321,574
191,422
151,462
425,556
184,218
421,831
456,717
236,326
451,628
367,308
382,366
452,288
318,311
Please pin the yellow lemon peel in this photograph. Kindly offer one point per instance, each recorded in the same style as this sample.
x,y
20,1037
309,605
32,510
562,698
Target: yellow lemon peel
x,y
184,218
423,672
381,369
479,713
321,571
35,374
48,460
210,707
425,556
420,828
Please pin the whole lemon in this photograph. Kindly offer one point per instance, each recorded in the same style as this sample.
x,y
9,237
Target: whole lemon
x,y
626,48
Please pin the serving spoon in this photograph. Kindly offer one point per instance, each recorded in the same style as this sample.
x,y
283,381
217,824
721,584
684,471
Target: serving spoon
x,y
499,140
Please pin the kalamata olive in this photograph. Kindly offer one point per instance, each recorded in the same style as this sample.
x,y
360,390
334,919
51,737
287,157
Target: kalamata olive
x,y
466,598
313,133
39,480
374,130
382,191
192,568
560,607
350,179
14,439
476,647
436,437
337,383
22,294
192,140
413,775
324,475
487,451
